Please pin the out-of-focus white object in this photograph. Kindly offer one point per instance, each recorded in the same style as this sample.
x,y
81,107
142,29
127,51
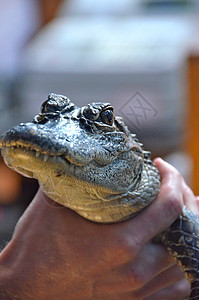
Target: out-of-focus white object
x,y
19,19
111,45
89,8
78,44
102,7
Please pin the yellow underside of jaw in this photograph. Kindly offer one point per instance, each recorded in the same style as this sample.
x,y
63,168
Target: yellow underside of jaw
x,y
26,160
88,200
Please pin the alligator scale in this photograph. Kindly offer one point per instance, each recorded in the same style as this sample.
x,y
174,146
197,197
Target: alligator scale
x,y
86,159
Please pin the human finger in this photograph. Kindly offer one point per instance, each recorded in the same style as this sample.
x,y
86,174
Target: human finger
x,y
161,212
165,169
163,281
177,291
152,260
197,202
189,199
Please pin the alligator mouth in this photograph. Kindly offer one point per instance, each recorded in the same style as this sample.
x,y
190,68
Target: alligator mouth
x,y
24,158
33,149
36,151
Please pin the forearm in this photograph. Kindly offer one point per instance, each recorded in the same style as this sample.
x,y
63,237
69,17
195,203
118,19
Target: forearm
x,y
8,286
15,289
4,293
37,259
21,259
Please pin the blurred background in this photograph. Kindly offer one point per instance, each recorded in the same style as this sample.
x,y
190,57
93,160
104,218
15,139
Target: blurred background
x,y
140,55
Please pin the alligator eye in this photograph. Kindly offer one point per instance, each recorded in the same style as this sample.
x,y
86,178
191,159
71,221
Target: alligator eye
x,y
107,116
55,103
91,113
40,119
49,106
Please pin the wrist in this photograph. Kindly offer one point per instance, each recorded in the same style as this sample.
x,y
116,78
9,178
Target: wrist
x,y
8,286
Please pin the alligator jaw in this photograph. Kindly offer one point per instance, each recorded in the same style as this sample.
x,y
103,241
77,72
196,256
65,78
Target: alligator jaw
x,y
29,161
97,169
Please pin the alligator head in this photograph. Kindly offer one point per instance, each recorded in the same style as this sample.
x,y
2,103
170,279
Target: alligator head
x,y
84,158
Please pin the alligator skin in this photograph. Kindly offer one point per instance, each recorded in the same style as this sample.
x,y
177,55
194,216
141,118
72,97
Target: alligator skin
x,y
86,159
182,241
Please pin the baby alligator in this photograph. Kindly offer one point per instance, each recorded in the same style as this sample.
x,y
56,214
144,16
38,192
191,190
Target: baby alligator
x,y
86,159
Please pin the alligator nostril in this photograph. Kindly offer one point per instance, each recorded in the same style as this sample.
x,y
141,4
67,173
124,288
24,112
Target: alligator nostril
x,y
40,119
55,103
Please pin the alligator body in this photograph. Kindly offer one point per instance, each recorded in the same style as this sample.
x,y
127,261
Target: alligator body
x,y
86,159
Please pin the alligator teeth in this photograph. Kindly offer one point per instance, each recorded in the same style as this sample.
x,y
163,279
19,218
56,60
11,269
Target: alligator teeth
x,y
45,157
37,153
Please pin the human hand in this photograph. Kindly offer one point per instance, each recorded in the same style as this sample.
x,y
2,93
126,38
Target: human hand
x,y
57,254
182,190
